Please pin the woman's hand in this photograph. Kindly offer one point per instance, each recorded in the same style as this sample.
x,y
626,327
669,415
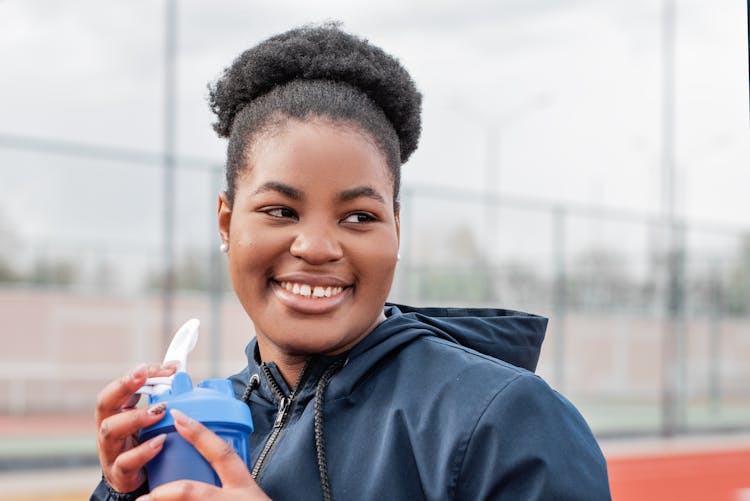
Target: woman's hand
x,y
235,478
121,457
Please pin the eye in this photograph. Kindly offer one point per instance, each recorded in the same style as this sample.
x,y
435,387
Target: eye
x,y
359,217
281,212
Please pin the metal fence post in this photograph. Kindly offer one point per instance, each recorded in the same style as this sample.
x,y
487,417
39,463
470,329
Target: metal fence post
x,y
216,274
559,293
407,288
675,334
714,340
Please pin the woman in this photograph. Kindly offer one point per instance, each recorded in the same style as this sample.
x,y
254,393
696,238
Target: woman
x,y
350,399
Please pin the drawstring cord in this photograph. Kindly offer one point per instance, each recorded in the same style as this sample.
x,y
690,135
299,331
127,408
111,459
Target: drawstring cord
x,y
320,446
252,385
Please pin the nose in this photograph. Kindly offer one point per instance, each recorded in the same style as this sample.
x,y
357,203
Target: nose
x,y
316,245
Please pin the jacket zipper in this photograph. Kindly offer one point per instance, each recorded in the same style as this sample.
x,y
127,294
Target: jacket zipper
x,y
285,402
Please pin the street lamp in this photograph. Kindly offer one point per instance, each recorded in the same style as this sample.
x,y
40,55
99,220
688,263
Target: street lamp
x,y
493,126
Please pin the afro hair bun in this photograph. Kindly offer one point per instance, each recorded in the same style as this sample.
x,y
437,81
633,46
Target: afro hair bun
x,y
322,52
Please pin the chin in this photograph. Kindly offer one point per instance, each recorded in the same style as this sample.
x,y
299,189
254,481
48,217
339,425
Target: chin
x,y
315,344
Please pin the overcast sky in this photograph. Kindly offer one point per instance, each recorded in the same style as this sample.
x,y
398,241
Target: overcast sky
x,y
574,88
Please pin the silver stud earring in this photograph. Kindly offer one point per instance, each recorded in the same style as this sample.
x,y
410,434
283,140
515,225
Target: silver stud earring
x,y
398,257
224,247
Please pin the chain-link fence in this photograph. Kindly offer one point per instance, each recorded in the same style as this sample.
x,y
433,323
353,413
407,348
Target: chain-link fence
x,y
643,338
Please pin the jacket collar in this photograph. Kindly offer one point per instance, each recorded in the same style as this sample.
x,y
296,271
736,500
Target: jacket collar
x,y
512,336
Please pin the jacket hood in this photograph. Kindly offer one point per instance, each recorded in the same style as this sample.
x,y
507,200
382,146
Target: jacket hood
x,y
511,336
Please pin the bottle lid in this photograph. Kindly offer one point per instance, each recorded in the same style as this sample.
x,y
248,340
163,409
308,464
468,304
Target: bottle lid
x,y
212,401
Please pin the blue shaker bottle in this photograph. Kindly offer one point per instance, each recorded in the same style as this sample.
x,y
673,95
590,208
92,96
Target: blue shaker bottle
x,y
212,403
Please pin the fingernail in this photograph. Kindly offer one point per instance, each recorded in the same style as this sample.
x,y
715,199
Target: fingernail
x,y
171,364
144,498
138,372
157,409
157,441
181,418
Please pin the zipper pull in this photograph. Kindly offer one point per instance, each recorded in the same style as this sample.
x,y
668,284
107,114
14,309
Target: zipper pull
x,y
283,409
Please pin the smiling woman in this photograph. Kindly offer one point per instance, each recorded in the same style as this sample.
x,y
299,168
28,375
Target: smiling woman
x,y
352,398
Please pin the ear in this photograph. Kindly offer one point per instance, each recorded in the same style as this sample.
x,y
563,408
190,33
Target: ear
x,y
225,216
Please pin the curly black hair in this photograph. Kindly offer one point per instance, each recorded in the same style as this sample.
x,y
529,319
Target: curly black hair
x,y
310,72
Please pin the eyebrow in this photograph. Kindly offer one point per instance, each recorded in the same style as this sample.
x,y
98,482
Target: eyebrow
x,y
282,188
344,196
360,191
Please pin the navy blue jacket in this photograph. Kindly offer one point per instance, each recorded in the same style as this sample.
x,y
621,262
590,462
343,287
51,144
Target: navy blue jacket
x,y
435,403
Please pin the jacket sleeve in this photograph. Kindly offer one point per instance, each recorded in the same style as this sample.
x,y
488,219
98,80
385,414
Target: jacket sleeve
x,y
530,443
104,492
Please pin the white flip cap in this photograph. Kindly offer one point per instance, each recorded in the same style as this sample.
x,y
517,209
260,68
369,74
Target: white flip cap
x,y
182,344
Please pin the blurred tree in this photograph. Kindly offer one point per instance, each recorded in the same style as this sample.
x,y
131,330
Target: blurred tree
x,y
7,272
58,273
192,273
521,284
9,244
598,279
469,278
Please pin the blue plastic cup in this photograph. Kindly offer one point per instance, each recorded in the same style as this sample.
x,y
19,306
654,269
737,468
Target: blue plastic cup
x,y
212,403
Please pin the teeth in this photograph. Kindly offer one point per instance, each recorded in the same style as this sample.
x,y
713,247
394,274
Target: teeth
x,y
310,291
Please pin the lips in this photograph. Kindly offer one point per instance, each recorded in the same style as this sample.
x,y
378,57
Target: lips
x,y
311,294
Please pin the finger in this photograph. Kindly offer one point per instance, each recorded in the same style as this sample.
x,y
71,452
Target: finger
x,y
133,402
126,474
120,393
116,429
181,490
230,468
136,458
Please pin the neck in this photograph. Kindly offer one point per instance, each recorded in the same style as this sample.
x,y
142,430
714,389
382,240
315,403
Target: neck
x,y
290,369
290,366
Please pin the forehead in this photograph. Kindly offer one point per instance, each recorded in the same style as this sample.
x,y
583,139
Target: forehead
x,y
315,153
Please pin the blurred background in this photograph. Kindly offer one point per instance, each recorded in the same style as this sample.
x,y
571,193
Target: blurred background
x,y
583,160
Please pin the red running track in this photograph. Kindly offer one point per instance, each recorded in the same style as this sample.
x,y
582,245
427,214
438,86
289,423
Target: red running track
x,y
708,475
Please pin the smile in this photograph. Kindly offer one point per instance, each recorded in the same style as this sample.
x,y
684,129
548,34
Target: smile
x,y
314,291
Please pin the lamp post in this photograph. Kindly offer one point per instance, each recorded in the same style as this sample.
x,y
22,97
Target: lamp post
x,y
493,126
674,325
169,134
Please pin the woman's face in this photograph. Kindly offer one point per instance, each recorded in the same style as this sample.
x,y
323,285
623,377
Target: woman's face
x,y
313,237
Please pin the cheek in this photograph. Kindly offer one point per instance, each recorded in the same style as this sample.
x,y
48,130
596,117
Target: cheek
x,y
251,244
248,256
378,260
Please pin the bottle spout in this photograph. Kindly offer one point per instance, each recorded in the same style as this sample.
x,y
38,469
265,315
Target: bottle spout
x,y
182,344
